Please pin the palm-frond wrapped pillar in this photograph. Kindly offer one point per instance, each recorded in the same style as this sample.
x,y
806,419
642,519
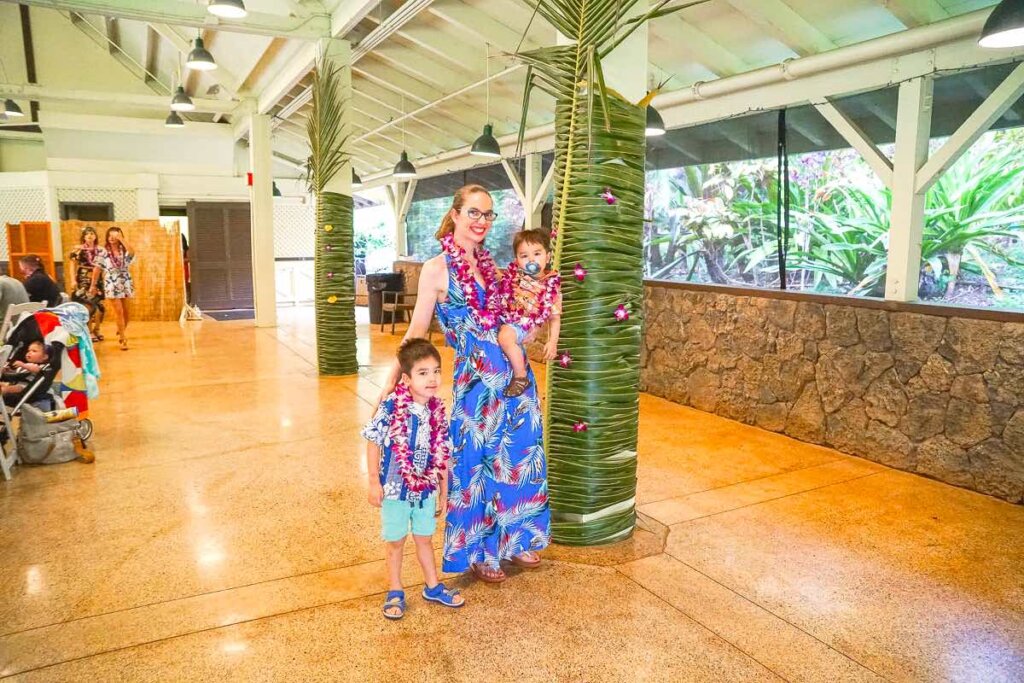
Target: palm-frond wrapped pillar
x,y
593,404
330,182
593,392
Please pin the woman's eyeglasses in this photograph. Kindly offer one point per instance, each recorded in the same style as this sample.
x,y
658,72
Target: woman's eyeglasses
x,y
477,214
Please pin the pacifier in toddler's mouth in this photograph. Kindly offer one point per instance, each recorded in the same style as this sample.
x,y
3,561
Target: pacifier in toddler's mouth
x,y
532,268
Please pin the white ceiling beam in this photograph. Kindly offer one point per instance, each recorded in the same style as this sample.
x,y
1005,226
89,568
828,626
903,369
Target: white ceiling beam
x,y
430,105
348,14
103,39
113,34
471,21
791,29
440,124
393,23
948,46
152,49
180,13
708,53
914,13
443,46
976,125
854,135
220,75
42,93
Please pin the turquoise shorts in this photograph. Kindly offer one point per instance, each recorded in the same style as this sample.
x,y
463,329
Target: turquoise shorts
x,y
397,518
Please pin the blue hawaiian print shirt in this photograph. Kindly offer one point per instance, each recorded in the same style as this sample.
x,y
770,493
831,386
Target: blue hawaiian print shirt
x,y
378,431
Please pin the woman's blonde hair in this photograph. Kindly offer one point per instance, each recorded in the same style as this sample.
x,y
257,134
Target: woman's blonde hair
x,y
448,224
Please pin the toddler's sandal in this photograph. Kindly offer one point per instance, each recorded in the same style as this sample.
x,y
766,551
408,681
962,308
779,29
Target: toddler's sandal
x,y
517,386
443,595
394,600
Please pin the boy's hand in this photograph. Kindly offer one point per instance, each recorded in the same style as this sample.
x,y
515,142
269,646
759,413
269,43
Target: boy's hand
x,y
442,499
376,494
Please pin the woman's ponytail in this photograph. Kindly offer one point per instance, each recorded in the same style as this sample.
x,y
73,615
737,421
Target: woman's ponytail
x,y
448,224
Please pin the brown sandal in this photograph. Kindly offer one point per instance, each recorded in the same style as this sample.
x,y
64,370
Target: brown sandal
x,y
517,386
495,577
518,561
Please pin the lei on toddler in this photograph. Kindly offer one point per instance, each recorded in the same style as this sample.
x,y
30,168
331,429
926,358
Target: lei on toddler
x,y
528,319
440,453
486,313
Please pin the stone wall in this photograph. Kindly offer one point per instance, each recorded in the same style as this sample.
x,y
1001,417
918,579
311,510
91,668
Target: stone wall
x,y
918,388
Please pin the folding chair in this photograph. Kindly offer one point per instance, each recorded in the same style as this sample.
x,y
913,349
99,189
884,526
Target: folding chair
x,y
14,311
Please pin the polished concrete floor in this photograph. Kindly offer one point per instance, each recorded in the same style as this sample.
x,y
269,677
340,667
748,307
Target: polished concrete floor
x,y
223,534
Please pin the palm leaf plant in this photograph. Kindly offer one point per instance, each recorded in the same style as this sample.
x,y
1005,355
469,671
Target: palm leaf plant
x,y
334,261
593,404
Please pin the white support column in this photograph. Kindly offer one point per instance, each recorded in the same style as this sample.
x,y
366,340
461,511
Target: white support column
x,y
535,189
399,197
913,129
53,215
147,199
262,209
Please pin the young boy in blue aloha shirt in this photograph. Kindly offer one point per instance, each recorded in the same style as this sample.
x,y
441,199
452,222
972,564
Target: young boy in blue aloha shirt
x,y
406,462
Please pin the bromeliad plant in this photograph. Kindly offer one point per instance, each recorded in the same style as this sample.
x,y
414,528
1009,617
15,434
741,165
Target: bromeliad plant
x,y
593,402
334,258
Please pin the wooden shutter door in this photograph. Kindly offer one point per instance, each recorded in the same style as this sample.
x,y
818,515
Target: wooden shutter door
x,y
220,254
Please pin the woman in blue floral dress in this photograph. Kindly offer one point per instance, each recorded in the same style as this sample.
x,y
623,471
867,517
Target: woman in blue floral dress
x,y
497,502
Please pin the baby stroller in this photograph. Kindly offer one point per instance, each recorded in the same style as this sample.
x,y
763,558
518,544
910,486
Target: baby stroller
x,y
52,409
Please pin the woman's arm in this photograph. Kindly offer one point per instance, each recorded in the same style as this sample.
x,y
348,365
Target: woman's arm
x,y
375,492
95,276
433,282
128,251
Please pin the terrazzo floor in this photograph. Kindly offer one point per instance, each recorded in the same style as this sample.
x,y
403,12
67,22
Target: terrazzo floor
x,y
223,534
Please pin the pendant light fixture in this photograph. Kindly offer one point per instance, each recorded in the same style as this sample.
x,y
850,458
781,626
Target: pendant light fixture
x,y
356,180
11,108
273,189
200,59
181,101
486,145
174,121
655,124
1005,26
227,9
404,169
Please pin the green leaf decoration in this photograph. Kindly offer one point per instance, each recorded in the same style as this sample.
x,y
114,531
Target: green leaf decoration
x,y
334,260
599,145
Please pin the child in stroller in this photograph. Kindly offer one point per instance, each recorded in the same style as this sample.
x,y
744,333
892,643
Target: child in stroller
x,y
53,370
20,375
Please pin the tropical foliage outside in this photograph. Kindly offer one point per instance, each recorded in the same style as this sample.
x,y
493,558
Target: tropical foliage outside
x,y
716,223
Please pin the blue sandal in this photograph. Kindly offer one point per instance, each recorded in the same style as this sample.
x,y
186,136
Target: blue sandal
x,y
443,596
394,599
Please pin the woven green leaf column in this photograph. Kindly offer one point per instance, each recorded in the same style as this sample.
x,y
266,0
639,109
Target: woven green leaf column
x,y
593,402
327,128
335,285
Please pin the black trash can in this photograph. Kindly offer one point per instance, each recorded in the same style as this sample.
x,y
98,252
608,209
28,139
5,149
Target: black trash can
x,y
376,284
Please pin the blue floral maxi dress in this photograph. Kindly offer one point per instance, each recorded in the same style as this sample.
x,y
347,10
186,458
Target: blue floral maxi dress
x,y
498,491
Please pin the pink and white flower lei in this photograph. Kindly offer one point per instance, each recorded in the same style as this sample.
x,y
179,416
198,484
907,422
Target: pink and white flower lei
x,y
440,453
485,314
545,302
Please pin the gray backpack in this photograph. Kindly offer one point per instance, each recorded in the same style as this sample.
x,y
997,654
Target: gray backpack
x,y
45,443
